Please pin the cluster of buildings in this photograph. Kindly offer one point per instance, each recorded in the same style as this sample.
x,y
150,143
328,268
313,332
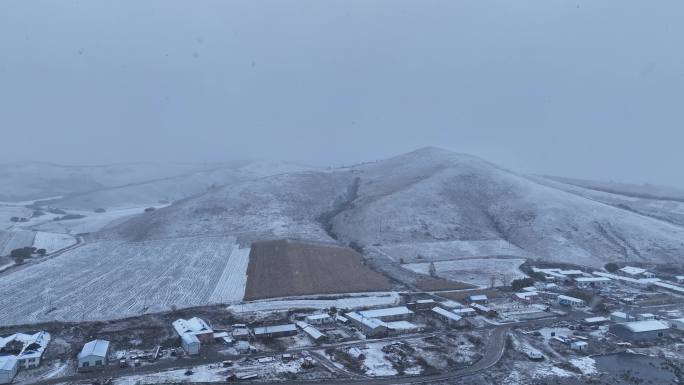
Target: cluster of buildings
x,y
21,351
642,327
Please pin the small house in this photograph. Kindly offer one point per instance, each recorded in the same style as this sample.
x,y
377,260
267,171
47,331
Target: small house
x,y
679,279
448,317
319,319
592,282
579,345
591,321
565,300
619,317
93,355
481,298
465,312
646,317
371,327
421,305
311,331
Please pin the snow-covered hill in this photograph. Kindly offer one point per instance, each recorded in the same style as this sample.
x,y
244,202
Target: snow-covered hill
x,y
427,196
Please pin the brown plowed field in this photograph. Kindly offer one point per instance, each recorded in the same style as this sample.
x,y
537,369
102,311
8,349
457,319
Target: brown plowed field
x,y
288,268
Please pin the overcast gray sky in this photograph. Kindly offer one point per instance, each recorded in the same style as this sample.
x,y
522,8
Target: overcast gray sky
x,y
577,88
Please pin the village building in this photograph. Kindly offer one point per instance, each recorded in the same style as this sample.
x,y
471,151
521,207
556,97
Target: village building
x,y
8,369
240,332
465,312
640,330
595,321
669,287
679,278
645,317
481,298
484,310
579,345
319,319
389,314
369,326
677,324
570,301
195,326
341,319
93,355
275,331
29,348
402,327
636,272
619,316
190,343
592,282
421,305
448,317
526,296
311,331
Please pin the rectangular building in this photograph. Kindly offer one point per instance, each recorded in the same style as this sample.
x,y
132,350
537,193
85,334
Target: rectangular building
x,y
190,343
196,326
8,369
570,301
93,355
389,314
319,319
448,317
640,330
592,282
275,331
677,324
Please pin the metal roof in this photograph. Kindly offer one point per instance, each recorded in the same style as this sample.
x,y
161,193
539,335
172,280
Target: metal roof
x,y
386,312
275,329
646,326
193,325
94,348
8,363
446,313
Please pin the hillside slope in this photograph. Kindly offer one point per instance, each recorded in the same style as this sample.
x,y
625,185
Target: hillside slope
x,y
425,197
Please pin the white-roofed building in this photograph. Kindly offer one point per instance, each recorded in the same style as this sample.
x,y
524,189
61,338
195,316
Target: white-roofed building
x,y
679,278
636,272
592,282
677,324
311,331
275,331
93,355
370,326
480,298
196,326
448,317
400,327
465,312
595,320
190,343
8,369
32,347
570,301
620,316
645,317
526,296
389,314
640,330
319,319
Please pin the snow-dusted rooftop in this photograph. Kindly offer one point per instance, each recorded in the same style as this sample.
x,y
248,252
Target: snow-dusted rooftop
x,y
464,310
446,313
400,325
41,339
631,270
368,322
318,316
8,362
592,279
479,297
668,286
386,312
94,348
646,326
194,325
570,299
310,330
190,338
593,320
275,329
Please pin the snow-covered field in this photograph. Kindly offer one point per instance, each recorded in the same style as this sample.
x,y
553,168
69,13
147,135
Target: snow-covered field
x,y
52,241
476,271
91,223
14,239
355,300
110,279
447,250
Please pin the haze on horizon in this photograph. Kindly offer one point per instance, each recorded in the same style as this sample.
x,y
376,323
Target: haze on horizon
x,y
569,88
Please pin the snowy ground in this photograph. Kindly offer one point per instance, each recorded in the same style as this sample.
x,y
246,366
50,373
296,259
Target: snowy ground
x,y
14,239
476,271
447,250
353,301
91,223
52,241
107,280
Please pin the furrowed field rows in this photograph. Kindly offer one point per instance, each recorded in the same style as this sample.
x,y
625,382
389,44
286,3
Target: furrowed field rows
x,y
108,280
